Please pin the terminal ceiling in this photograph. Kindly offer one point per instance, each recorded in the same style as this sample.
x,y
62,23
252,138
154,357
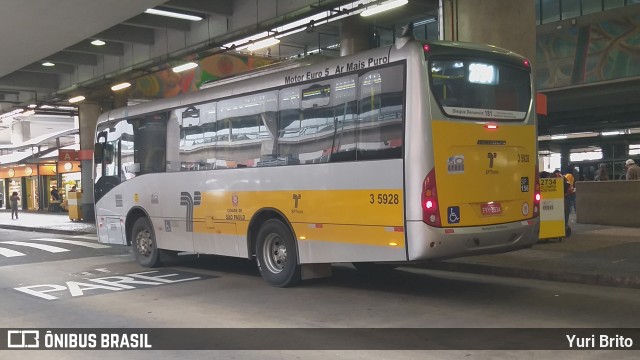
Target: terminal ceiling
x,y
60,31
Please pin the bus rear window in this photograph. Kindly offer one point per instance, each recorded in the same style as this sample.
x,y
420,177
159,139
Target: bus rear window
x,y
480,89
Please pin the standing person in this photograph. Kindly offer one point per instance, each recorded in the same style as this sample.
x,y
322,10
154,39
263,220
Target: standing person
x,y
633,170
602,174
55,195
14,204
571,179
567,196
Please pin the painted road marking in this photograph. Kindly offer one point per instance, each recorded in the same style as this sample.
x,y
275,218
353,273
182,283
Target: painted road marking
x,y
88,237
49,248
10,253
79,243
110,284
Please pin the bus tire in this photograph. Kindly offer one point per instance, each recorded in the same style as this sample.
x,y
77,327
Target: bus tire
x,y
143,243
276,255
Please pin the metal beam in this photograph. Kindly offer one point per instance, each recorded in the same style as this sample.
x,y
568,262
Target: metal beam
x,y
159,22
28,80
57,69
110,48
221,7
73,58
128,34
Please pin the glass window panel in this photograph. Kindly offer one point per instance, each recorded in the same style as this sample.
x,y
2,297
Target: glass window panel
x,y
245,130
570,9
380,120
550,11
612,4
197,136
591,6
320,133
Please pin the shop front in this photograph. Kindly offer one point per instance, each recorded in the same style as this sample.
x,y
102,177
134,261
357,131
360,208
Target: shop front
x,y
23,180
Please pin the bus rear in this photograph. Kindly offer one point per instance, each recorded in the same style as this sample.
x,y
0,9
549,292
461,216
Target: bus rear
x,y
479,191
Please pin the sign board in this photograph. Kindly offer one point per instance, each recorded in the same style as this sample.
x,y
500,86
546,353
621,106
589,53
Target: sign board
x,y
67,155
552,208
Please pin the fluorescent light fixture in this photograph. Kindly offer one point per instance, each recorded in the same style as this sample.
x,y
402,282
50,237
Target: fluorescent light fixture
x,y
185,67
48,63
424,22
98,42
32,106
173,14
263,44
121,86
611,133
384,7
76,99
558,137
47,107
65,107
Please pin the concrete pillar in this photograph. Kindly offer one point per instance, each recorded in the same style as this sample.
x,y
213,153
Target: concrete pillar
x,y
20,132
510,24
354,36
89,113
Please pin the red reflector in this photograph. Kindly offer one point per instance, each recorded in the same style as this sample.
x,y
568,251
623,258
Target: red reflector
x,y
526,63
426,47
319,226
398,229
449,231
491,209
491,126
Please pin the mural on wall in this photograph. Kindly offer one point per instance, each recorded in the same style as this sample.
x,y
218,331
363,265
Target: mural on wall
x,y
598,52
166,83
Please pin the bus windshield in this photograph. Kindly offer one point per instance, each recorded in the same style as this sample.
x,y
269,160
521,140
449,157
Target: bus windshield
x,y
480,89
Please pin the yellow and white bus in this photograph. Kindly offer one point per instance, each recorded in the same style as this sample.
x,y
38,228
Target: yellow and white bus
x,y
399,154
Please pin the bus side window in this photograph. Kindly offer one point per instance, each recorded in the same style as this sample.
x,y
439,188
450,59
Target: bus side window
x,y
381,114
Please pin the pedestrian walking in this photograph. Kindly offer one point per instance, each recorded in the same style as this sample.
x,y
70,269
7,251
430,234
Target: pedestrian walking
x,y
14,204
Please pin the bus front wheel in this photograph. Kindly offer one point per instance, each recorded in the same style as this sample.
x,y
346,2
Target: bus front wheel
x,y
276,255
143,242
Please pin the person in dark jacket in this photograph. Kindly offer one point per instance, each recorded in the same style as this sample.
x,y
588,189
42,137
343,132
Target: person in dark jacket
x,y
14,204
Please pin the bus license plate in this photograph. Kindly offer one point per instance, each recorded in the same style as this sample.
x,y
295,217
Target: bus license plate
x,y
491,209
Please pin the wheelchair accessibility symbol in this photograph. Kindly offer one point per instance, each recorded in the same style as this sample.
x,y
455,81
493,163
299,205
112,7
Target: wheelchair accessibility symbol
x,y
453,213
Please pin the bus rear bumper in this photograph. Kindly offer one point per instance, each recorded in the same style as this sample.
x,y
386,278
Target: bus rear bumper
x,y
427,242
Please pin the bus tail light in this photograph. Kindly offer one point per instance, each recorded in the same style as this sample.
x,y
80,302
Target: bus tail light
x,y
536,195
430,209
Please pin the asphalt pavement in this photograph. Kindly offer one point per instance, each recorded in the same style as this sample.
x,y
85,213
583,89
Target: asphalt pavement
x,y
593,254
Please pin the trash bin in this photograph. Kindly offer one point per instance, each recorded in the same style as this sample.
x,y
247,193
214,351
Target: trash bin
x,y
74,202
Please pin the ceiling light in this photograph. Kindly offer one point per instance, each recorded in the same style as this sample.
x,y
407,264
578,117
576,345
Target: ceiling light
x,y
120,86
32,106
611,133
384,7
263,44
46,107
98,42
76,99
185,67
558,137
173,14
65,107
48,63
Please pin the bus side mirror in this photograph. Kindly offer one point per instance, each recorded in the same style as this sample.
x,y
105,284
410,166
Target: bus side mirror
x,y
98,153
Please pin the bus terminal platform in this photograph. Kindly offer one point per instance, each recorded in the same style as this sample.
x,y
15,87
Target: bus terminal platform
x,y
593,254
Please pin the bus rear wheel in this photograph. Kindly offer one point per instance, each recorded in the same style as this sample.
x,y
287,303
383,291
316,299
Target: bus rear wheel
x,y
143,242
276,255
